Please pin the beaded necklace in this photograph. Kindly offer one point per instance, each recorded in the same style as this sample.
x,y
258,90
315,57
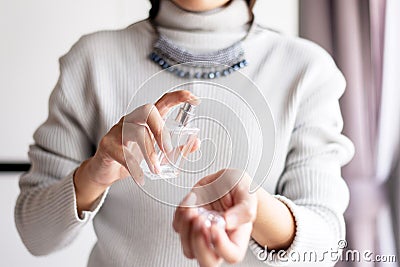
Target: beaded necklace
x,y
185,64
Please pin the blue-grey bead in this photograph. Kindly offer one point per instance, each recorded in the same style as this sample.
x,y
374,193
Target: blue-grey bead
x,y
171,69
156,58
241,65
217,74
181,73
161,62
204,75
197,75
236,67
211,75
225,72
245,62
165,66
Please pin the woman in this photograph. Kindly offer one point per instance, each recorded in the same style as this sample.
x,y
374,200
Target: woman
x,y
79,170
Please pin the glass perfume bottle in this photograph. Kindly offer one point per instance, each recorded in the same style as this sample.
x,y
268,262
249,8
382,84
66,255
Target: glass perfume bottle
x,y
183,137
212,217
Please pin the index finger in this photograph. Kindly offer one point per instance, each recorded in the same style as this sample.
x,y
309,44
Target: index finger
x,y
149,116
171,99
231,248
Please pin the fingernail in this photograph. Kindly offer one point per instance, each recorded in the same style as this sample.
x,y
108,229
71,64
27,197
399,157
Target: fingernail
x,y
157,167
139,179
231,221
194,100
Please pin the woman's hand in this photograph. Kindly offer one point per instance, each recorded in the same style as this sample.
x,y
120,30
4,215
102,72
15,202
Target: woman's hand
x,y
115,152
210,246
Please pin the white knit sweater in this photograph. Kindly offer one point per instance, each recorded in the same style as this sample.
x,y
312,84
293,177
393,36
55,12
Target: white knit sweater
x,y
97,79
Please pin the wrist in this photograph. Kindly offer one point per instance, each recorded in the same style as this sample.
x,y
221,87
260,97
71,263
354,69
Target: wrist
x,y
87,190
92,173
274,225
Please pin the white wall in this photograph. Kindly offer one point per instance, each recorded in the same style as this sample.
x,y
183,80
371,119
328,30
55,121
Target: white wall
x,y
33,35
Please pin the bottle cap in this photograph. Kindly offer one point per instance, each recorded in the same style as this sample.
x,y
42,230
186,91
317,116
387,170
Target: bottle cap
x,y
186,112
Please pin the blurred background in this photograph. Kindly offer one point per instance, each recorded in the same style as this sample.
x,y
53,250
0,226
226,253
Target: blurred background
x,y
363,36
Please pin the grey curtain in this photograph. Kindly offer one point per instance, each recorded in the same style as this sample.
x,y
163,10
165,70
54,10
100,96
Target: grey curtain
x,y
355,33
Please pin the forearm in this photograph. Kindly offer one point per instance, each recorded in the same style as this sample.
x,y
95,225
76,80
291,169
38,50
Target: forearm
x,y
274,226
86,189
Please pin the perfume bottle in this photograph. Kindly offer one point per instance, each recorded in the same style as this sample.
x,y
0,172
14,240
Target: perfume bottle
x,y
183,137
212,217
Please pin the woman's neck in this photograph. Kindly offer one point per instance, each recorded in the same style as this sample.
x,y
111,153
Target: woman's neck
x,y
204,31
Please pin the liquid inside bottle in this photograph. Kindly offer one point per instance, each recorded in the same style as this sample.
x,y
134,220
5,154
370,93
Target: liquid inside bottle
x,y
183,137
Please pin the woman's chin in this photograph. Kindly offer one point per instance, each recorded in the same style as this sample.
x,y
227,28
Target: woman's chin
x,y
200,5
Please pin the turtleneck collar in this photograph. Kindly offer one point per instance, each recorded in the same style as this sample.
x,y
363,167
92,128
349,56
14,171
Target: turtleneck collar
x,y
234,15
204,31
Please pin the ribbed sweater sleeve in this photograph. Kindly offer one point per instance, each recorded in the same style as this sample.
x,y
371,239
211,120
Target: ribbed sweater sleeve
x,y
311,185
45,213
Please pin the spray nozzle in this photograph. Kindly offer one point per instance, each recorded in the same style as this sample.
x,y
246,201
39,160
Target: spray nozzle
x,y
186,112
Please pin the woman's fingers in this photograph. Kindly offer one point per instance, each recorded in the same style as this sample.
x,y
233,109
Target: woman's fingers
x,y
210,245
231,248
184,212
185,235
148,115
192,145
146,123
196,145
111,147
169,100
244,209
156,125
241,213
182,223
138,136
133,166
150,155
202,250
131,129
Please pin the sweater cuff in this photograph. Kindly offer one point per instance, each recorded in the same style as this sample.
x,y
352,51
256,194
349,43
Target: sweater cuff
x,y
87,215
305,242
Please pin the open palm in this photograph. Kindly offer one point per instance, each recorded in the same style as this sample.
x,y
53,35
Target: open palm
x,y
211,245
